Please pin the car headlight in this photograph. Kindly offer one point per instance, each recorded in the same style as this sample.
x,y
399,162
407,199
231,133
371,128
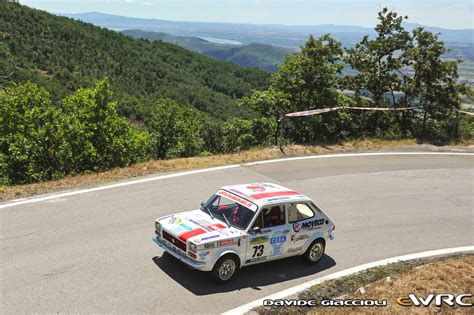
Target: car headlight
x,y
157,226
192,247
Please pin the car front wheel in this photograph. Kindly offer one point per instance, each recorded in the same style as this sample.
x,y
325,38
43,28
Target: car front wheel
x,y
225,268
315,251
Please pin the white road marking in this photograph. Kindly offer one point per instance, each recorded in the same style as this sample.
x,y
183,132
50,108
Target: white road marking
x,y
138,181
296,289
219,168
310,157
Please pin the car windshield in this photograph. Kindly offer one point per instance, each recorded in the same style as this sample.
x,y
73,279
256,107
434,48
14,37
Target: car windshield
x,y
239,212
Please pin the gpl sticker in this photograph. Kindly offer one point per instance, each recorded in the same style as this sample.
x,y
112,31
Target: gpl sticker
x,y
276,241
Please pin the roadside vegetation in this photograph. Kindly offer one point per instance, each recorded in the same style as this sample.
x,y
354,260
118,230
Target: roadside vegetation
x,y
421,277
159,101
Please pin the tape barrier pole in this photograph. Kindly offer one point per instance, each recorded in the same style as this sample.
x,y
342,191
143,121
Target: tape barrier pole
x,y
330,109
464,112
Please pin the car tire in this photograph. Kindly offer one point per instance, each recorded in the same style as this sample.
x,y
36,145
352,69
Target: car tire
x,y
225,269
315,252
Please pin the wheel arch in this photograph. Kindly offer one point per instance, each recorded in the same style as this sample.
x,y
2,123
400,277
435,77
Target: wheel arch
x,y
229,253
312,239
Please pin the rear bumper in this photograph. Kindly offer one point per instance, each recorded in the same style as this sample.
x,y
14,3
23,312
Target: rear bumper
x,y
191,263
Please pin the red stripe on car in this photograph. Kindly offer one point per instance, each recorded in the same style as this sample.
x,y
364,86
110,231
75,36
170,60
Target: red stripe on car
x,y
187,235
275,194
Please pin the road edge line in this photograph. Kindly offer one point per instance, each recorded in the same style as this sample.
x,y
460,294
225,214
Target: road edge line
x,y
301,287
204,170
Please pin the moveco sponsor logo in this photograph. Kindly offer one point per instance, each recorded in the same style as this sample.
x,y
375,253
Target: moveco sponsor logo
x,y
307,225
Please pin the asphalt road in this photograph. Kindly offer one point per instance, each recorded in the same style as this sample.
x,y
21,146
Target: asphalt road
x,y
93,252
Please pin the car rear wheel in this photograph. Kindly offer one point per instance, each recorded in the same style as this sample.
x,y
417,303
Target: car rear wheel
x,y
315,251
225,268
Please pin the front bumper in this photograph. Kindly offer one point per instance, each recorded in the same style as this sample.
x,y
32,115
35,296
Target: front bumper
x,y
191,263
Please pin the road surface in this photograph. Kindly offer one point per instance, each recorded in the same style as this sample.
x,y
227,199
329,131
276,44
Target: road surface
x,y
92,252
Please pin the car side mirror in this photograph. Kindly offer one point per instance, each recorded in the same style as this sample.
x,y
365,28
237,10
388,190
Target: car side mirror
x,y
202,203
256,230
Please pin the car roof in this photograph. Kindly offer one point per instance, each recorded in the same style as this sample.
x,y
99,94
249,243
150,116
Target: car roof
x,y
264,193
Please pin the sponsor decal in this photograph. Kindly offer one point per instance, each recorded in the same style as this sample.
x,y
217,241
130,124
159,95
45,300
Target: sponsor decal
x,y
187,235
295,249
276,241
186,227
210,245
174,220
436,299
296,227
255,259
296,238
210,237
203,255
177,230
274,194
237,199
227,242
308,225
206,225
258,240
279,198
256,188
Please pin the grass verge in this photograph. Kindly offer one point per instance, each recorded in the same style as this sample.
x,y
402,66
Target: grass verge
x,y
156,166
421,277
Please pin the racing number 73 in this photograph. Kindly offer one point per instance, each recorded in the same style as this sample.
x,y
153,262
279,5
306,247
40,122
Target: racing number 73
x,y
258,250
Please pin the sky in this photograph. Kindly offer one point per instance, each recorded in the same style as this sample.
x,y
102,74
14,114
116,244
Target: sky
x,y
454,14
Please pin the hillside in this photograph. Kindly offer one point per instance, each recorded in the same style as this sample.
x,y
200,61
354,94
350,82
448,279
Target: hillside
x,y
63,54
291,36
189,42
254,55
261,56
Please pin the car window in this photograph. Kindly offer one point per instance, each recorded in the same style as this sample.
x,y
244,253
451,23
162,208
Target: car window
x,y
238,215
299,211
270,216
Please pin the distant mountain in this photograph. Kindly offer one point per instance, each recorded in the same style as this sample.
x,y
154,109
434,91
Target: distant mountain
x,y
281,35
262,56
62,54
189,42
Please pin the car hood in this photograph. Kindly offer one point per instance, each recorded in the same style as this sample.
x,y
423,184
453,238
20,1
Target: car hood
x,y
197,226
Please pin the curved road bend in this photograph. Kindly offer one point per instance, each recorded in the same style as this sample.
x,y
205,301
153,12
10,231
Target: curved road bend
x,y
93,252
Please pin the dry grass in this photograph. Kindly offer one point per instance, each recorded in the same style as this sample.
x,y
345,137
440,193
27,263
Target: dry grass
x,y
154,166
454,276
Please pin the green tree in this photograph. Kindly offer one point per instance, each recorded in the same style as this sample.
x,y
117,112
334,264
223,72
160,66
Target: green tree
x,y
378,63
307,80
434,84
97,137
41,140
176,129
30,134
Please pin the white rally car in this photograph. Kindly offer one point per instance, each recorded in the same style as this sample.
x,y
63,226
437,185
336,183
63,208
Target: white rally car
x,y
243,225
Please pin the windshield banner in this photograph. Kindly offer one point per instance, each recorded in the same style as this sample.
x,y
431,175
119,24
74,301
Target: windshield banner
x,y
237,199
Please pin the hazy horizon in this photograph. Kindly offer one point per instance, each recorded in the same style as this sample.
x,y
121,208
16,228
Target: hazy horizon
x,y
457,14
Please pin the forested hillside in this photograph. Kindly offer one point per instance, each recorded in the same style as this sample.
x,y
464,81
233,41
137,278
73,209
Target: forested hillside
x,y
263,56
63,54
67,118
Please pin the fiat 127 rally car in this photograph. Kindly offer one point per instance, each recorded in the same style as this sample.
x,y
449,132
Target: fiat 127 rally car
x,y
243,225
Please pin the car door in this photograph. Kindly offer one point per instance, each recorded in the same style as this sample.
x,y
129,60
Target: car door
x,y
303,220
269,235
